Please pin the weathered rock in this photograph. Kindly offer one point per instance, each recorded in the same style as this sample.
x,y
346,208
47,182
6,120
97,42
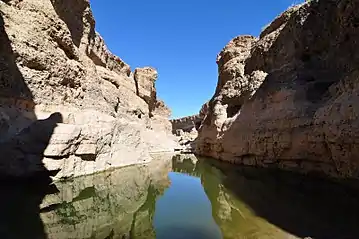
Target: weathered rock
x,y
145,79
187,124
303,116
52,62
185,130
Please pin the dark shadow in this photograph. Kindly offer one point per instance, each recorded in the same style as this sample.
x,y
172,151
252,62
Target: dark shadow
x,y
21,149
24,180
22,155
20,210
305,206
12,83
72,14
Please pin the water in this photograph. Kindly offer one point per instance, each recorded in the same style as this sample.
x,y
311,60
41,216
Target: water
x,y
181,197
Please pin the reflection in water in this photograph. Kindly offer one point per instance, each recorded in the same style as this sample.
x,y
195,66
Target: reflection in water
x,y
114,204
19,209
183,198
184,211
262,203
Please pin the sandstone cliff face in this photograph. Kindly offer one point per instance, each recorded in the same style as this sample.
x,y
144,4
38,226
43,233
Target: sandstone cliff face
x,y
187,124
186,131
68,103
289,99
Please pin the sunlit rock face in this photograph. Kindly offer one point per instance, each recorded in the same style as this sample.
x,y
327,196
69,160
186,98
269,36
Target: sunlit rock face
x,y
288,99
53,62
185,130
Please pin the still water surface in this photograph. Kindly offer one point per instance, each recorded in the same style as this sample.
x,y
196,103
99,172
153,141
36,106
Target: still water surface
x,y
182,197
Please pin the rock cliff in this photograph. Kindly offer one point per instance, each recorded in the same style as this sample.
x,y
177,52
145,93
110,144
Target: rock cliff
x,y
186,131
67,104
289,99
187,124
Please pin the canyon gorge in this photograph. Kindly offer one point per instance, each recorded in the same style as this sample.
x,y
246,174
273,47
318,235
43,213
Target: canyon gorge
x,y
69,107
89,149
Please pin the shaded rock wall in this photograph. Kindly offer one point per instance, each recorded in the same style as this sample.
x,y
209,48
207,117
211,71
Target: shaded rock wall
x,y
288,99
53,63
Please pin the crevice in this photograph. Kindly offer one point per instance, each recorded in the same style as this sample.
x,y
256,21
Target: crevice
x,y
88,157
136,84
96,60
117,105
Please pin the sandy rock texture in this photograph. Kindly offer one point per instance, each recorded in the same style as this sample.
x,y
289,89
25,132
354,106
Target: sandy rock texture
x,y
67,104
185,129
290,98
187,124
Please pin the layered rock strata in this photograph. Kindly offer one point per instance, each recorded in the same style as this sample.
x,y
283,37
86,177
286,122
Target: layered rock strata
x,y
67,104
289,99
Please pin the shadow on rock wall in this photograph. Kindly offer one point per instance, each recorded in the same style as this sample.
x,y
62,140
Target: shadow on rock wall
x,y
23,178
23,137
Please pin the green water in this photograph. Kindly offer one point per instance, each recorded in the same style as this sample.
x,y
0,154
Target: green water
x,y
182,197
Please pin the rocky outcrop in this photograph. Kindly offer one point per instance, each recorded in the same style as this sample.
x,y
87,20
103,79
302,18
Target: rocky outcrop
x,y
186,124
67,104
288,99
185,130
145,79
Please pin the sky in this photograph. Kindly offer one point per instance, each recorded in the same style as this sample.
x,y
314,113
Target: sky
x,y
181,39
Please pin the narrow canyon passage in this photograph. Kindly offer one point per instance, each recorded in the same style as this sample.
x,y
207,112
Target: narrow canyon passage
x,y
214,124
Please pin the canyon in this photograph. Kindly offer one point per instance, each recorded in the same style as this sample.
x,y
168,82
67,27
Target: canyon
x,y
68,106
89,149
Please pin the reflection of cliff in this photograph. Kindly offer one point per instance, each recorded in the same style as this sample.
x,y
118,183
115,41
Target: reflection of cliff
x,y
185,164
118,204
19,208
234,217
255,203
262,203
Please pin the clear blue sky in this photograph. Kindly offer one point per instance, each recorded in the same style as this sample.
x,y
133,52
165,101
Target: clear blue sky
x,y
181,39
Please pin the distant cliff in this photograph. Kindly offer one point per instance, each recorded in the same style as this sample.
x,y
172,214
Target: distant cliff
x,y
289,99
186,123
67,104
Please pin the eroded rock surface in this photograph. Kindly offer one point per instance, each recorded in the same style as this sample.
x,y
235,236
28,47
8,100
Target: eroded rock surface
x,y
185,130
53,63
186,124
289,99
